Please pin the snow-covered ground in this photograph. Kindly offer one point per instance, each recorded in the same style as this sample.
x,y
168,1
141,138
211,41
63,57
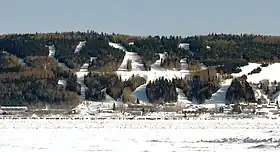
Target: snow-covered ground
x,y
80,46
62,82
182,99
219,96
21,61
51,50
156,66
184,65
246,69
136,62
140,93
80,80
86,108
117,46
270,73
140,135
138,68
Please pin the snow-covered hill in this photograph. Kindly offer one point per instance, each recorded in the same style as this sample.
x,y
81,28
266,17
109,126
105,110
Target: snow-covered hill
x,y
246,69
137,68
219,96
270,73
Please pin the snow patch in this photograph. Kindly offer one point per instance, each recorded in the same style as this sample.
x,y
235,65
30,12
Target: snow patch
x,y
185,46
219,96
80,46
140,93
51,50
184,65
62,82
156,66
270,73
136,62
117,46
80,79
21,61
182,100
246,69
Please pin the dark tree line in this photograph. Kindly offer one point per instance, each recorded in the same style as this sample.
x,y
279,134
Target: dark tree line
x,y
97,83
36,82
224,50
200,86
240,90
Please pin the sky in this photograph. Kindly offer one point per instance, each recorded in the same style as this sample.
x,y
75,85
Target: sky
x,y
141,17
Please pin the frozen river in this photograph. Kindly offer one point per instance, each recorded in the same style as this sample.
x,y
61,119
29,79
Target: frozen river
x,y
139,135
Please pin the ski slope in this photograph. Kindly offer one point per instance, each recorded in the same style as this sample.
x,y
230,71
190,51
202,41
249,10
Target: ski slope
x,y
80,46
182,100
140,93
219,96
246,69
271,73
136,62
52,50
156,66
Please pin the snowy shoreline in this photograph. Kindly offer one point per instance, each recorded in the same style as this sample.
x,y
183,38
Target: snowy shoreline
x,y
147,117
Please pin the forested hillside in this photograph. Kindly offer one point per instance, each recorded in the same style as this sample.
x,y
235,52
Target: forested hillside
x,y
36,81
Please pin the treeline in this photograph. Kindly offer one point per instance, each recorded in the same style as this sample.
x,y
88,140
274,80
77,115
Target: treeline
x,y
240,91
23,45
35,79
36,82
199,86
223,50
98,84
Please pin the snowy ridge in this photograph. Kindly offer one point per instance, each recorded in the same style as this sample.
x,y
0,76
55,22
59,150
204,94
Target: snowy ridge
x,y
80,46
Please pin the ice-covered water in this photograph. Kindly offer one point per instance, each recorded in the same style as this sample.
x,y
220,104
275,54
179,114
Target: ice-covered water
x,y
135,135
